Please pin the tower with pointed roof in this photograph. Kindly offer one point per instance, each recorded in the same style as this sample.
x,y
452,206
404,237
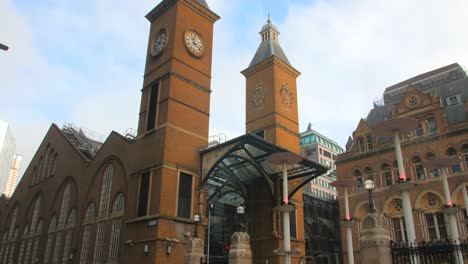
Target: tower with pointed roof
x,y
272,113
271,92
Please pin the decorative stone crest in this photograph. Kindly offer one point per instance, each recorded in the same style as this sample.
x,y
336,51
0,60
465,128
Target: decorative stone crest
x,y
286,96
258,97
240,252
413,101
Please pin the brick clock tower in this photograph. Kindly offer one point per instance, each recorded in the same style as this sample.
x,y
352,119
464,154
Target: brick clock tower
x,y
272,113
271,94
174,116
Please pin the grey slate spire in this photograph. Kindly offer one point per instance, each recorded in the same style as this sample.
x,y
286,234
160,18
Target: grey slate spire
x,y
270,44
203,3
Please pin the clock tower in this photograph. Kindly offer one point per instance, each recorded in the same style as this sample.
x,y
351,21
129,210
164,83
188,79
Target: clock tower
x,y
271,93
272,113
174,117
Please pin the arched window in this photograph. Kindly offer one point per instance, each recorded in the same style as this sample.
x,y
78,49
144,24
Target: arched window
x,y
32,230
418,168
396,220
387,173
3,245
42,171
50,239
369,174
88,226
104,200
23,244
451,152
39,171
434,219
69,236
37,237
10,248
61,224
49,160
358,176
53,166
435,171
118,210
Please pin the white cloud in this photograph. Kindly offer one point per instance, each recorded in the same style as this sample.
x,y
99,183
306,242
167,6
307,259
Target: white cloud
x,y
86,64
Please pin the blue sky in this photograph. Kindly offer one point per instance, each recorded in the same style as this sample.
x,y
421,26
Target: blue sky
x,y
83,61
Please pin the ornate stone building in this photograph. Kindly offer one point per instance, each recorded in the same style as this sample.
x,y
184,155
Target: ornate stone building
x,y
438,100
133,198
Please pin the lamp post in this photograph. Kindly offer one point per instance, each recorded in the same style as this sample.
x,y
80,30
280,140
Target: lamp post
x,y
370,185
196,219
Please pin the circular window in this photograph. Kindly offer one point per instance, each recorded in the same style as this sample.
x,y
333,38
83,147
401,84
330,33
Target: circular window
x,y
432,201
412,101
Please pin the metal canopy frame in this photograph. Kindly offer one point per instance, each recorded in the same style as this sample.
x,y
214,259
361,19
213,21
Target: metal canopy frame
x,y
226,168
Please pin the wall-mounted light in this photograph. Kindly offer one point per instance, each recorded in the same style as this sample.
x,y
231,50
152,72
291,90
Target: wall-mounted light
x,y
145,249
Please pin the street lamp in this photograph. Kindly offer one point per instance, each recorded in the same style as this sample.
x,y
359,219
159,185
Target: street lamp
x,y
370,185
196,219
240,217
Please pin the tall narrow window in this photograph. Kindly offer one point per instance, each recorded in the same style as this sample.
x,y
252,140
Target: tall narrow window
x,y
419,131
398,225
370,146
104,200
436,226
117,213
418,168
387,173
106,190
292,224
153,103
50,238
362,146
451,152
433,172
143,194
69,236
185,195
37,237
88,225
61,224
23,244
369,173
431,125
358,176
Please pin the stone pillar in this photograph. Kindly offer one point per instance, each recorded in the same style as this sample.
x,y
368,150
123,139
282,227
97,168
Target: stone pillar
x,y
375,240
240,252
194,251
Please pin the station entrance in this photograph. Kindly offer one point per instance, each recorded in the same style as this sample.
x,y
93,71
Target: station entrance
x,y
238,173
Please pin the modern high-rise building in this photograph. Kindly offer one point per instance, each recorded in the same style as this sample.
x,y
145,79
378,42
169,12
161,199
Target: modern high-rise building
x,y
13,176
7,151
323,150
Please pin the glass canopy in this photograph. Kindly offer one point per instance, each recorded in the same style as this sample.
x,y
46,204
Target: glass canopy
x,y
226,168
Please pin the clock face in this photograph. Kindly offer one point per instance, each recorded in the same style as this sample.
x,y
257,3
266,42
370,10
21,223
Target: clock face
x,y
194,43
159,42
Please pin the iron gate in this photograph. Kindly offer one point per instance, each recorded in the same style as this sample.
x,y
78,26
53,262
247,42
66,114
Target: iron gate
x,y
437,252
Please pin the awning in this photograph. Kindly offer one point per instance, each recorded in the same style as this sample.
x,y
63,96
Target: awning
x,y
226,168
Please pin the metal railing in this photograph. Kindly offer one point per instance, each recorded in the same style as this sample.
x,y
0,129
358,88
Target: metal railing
x,y
437,252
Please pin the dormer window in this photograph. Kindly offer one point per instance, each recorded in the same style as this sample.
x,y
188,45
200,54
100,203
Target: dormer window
x,y
453,99
369,142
